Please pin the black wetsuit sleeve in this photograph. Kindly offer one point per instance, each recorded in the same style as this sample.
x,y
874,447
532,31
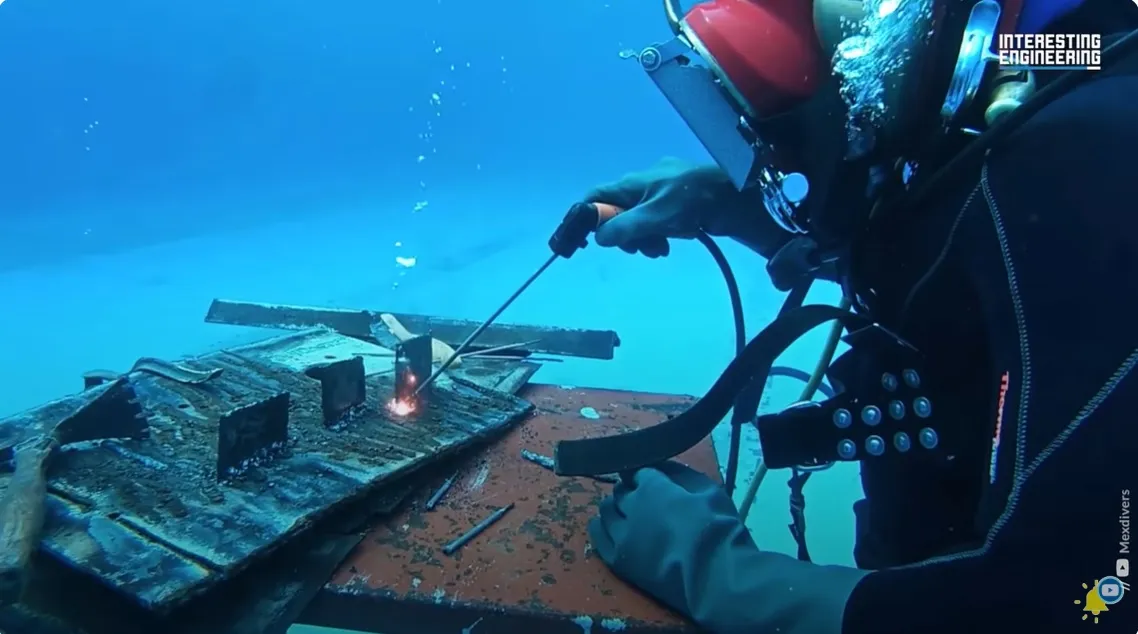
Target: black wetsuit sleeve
x,y
1057,261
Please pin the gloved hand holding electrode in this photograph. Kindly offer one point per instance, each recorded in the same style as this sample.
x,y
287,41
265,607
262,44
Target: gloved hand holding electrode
x,y
678,200
638,213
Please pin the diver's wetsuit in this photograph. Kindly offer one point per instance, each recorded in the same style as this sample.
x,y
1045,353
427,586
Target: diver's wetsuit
x,y
1039,280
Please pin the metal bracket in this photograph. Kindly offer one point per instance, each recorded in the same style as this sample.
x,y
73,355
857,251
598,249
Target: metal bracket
x,y
412,367
252,435
112,412
342,388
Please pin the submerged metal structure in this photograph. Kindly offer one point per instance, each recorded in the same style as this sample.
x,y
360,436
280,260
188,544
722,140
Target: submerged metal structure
x,y
283,433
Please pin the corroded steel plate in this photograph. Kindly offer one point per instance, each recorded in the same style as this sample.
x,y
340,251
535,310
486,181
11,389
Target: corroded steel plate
x,y
152,518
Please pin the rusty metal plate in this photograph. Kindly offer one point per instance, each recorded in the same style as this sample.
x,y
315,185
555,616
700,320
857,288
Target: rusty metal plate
x,y
532,571
152,519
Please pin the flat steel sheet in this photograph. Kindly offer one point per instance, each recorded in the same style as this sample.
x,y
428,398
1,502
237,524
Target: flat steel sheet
x,y
532,571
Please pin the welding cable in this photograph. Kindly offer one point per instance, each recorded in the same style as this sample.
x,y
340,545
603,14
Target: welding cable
x,y
807,377
745,402
732,289
746,408
738,413
651,445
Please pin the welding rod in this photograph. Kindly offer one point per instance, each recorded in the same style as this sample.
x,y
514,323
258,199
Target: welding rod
x,y
571,235
434,501
548,463
486,324
465,538
538,459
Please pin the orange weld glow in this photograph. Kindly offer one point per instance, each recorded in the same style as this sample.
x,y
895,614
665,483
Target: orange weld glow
x,y
400,407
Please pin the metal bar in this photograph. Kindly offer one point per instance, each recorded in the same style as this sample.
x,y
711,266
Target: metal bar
x,y
570,342
439,493
466,343
478,529
547,462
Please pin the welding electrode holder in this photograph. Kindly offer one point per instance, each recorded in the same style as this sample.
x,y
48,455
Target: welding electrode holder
x,y
581,220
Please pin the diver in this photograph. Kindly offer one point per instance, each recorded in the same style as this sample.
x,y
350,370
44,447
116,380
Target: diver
x,y
1007,277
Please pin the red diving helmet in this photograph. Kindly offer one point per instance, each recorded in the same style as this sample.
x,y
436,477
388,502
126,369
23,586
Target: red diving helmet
x,y
733,62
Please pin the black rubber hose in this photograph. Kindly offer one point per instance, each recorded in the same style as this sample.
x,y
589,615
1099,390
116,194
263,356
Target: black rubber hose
x,y
660,442
746,408
732,289
738,413
747,403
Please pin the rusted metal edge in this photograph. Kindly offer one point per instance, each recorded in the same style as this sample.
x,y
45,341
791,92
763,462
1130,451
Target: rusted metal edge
x,y
588,344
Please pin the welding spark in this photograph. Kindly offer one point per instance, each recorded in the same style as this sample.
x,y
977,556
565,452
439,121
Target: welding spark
x,y
400,407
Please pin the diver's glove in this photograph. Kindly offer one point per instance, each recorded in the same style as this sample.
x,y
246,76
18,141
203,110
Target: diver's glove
x,y
675,199
675,534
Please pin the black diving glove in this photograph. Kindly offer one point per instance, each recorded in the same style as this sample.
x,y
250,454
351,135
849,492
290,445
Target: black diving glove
x,y
675,534
675,199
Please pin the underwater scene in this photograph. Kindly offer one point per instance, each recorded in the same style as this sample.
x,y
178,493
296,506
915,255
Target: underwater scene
x,y
247,251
